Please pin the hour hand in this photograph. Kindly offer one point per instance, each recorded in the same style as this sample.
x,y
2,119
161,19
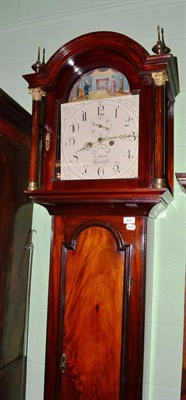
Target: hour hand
x,y
87,146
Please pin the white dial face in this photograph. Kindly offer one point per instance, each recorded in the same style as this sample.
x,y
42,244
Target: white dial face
x,y
99,138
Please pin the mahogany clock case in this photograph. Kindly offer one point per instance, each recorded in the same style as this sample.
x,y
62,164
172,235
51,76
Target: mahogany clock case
x,y
56,79
95,328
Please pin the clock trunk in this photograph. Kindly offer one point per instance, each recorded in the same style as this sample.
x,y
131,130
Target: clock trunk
x,y
98,324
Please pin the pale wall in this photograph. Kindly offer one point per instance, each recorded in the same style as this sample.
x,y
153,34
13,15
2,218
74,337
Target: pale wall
x,y
24,26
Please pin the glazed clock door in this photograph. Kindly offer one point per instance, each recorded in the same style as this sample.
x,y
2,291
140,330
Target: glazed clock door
x,y
95,317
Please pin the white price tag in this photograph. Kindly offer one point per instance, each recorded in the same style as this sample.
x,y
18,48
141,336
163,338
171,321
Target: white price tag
x,y
129,220
131,227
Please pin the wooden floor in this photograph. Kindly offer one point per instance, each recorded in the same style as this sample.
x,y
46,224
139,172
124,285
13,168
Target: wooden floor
x,y
101,94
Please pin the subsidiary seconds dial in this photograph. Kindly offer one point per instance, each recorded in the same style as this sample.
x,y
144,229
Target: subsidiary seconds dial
x,y
99,138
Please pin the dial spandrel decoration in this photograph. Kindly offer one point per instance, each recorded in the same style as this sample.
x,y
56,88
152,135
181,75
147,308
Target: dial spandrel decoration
x,y
99,138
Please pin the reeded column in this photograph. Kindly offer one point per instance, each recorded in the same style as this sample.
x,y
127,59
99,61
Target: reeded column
x,y
37,95
160,79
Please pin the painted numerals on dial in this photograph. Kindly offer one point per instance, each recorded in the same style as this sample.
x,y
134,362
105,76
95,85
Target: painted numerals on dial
x,y
99,138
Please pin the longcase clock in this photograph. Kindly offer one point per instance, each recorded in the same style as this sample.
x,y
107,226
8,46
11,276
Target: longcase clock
x,y
106,159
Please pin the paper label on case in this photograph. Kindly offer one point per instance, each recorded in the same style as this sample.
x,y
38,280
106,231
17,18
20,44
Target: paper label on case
x,y
130,227
129,220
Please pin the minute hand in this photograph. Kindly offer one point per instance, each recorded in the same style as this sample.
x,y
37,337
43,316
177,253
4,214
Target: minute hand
x,y
122,136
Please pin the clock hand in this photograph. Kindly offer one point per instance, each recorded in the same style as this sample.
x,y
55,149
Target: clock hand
x,y
89,145
123,136
101,126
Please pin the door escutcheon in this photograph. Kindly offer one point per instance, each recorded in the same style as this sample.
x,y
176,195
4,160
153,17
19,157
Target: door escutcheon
x,y
63,363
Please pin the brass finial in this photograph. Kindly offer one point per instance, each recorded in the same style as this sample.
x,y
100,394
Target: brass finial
x,y
166,49
43,62
160,47
38,66
158,29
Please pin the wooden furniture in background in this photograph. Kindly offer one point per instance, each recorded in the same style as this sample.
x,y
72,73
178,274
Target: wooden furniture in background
x,y
15,228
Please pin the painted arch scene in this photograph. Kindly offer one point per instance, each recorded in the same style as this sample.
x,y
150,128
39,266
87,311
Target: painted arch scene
x,y
99,83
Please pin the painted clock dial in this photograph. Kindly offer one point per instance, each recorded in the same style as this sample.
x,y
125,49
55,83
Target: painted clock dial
x,y
99,138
